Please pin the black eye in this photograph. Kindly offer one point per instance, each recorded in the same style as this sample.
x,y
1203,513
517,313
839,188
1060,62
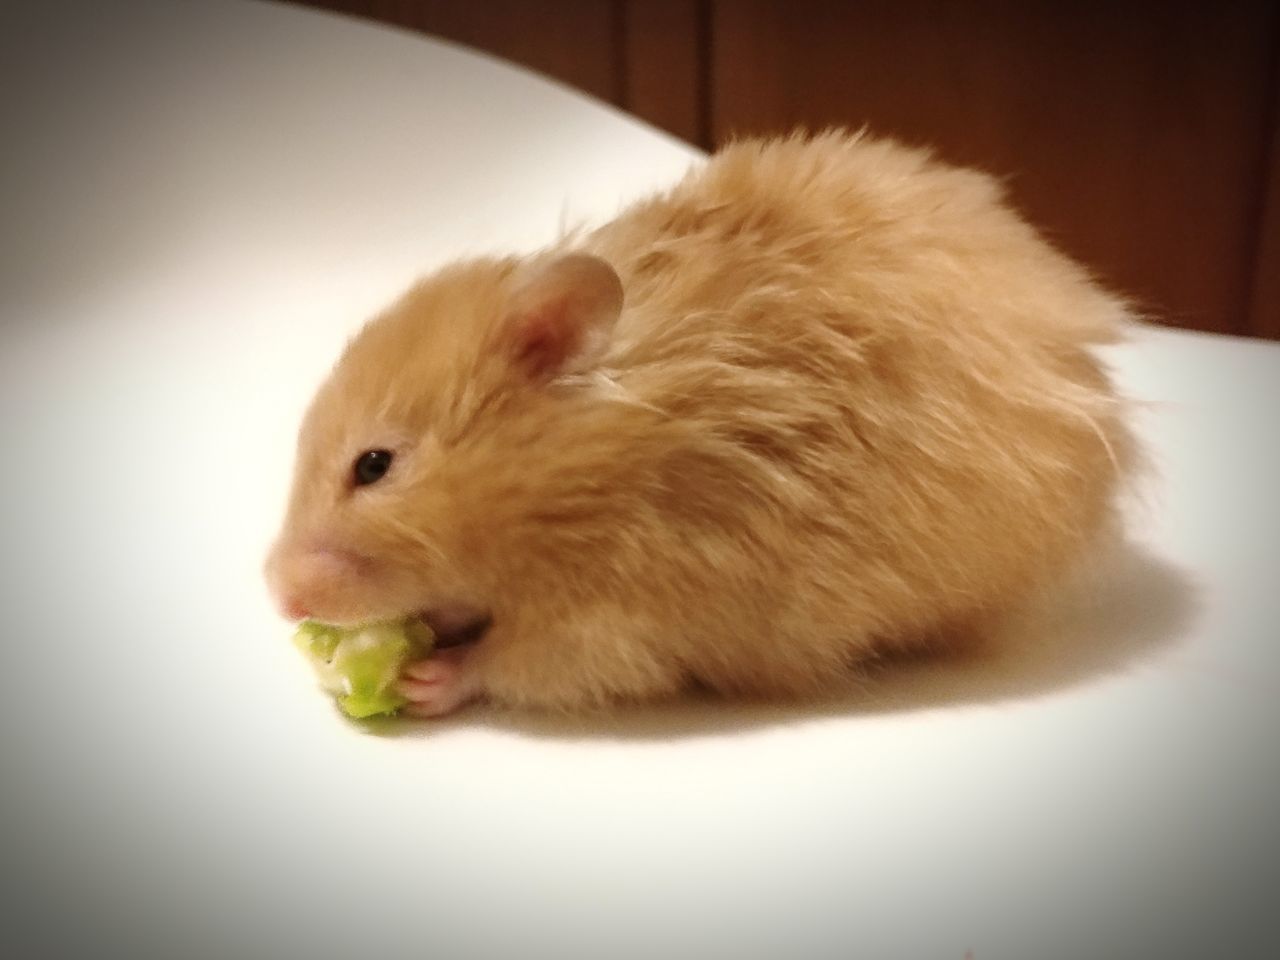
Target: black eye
x,y
371,466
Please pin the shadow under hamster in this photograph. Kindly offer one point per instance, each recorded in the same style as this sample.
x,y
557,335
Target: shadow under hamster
x,y
1127,609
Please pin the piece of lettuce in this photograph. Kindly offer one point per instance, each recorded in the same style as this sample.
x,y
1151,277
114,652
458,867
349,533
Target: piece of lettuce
x,y
360,665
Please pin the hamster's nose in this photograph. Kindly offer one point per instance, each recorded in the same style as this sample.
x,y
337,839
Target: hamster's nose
x,y
294,609
315,583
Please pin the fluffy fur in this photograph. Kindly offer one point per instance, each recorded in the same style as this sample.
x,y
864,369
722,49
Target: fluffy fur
x,y
849,405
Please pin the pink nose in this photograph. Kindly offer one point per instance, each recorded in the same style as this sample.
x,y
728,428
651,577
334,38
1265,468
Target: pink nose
x,y
310,583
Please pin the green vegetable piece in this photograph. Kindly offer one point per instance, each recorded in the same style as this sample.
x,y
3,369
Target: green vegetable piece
x,y
359,665
317,640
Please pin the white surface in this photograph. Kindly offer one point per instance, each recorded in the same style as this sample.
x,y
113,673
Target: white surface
x,y
199,203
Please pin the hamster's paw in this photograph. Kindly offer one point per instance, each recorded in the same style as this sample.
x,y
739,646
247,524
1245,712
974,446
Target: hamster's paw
x,y
439,684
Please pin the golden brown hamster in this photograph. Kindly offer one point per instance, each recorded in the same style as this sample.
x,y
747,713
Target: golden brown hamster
x,y
825,398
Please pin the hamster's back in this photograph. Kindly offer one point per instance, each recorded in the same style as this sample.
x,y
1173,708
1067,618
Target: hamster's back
x,y
892,365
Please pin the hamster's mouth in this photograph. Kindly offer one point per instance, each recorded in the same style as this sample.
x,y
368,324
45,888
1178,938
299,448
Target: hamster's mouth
x,y
456,626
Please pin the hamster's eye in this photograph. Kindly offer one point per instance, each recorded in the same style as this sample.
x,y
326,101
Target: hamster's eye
x,y
371,466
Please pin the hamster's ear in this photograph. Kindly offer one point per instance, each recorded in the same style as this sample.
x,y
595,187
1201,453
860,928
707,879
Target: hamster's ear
x,y
562,316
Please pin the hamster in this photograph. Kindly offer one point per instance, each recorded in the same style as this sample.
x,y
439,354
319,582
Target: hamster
x,y
827,398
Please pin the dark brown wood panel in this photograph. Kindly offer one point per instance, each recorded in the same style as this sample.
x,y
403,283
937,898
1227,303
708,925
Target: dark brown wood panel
x,y
665,43
1264,313
576,41
1143,137
1131,132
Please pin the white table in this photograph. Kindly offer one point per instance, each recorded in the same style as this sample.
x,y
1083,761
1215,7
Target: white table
x,y
199,203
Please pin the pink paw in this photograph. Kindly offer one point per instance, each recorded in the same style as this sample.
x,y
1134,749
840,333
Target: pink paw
x,y
438,685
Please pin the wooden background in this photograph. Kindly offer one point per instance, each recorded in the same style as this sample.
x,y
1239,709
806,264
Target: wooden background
x,y
1143,137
